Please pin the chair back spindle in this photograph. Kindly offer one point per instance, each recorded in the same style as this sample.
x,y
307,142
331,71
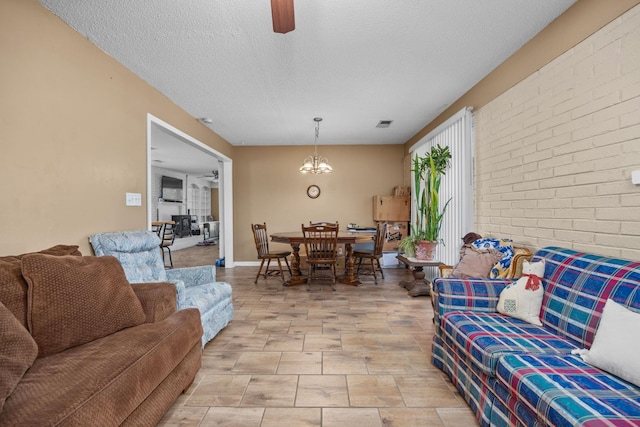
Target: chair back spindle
x,y
261,239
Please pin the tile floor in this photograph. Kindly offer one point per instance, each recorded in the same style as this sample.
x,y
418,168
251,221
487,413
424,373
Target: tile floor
x,y
359,356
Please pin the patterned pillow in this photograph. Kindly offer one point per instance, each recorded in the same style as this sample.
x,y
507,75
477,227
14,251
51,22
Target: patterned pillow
x,y
501,269
523,299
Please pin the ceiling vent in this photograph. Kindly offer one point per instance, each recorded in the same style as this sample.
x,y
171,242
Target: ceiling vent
x,y
384,123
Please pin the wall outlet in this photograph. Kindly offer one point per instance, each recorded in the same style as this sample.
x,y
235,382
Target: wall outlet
x,y
133,199
339,251
635,177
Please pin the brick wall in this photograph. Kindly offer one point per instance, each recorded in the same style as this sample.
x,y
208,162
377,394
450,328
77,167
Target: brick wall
x,y
554,154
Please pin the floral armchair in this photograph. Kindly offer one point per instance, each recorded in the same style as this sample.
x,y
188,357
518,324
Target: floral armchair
x,y
139,254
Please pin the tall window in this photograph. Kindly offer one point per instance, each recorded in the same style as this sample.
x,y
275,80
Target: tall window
x,y
457,184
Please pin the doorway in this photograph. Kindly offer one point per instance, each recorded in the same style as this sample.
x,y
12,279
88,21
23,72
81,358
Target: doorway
x,y
185,145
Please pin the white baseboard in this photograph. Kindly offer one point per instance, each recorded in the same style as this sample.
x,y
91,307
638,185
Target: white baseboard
x,y
247,263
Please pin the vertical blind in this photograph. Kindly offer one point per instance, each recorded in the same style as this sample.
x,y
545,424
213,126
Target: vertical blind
x,y
457,184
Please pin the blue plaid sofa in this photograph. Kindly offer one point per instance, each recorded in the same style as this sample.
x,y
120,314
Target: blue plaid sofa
x,y
513,373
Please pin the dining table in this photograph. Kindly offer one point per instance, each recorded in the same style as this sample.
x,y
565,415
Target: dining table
x,y
295,239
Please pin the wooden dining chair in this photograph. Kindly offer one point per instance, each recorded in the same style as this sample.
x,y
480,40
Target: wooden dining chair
x,y
261,239
321,246
157,227
323,223
372,254
167,238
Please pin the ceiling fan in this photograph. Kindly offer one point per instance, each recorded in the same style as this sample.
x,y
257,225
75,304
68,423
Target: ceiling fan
x,y
213,175
282,14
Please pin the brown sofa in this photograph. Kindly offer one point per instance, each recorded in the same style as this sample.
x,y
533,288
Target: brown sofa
x,y
81,346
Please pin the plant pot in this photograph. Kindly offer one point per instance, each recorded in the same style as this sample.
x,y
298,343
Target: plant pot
x,y
426,250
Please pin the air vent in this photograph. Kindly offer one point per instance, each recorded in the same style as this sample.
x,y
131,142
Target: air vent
x,y
384,123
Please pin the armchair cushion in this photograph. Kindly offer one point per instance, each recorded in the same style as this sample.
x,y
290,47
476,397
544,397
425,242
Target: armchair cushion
x,y
138,252
191,277
18,351
74,300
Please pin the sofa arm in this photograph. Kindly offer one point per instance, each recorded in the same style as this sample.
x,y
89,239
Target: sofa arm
x,y
193,276
158,299
478,295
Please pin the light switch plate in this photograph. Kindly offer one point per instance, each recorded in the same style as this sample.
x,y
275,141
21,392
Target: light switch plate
x,y
635,177
134,199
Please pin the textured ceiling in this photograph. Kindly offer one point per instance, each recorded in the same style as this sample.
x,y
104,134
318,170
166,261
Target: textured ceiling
x,y
353,62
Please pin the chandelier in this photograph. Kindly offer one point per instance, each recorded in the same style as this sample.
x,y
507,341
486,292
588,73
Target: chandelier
x,y
315,164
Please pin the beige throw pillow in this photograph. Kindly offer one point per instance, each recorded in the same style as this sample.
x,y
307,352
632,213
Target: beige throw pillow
x,y
74,300
475,263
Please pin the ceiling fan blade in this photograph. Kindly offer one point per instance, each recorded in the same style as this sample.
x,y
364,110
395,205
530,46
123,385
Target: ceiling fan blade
x,y
283,17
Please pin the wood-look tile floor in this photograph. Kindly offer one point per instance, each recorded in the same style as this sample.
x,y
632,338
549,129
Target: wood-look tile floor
x,y
360,356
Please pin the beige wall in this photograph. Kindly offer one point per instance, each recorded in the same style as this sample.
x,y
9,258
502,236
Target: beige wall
x,y
74,141
269,188
73,126
554,154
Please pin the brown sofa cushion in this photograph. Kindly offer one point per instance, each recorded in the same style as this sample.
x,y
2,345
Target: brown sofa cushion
x,y
73,300
18,351
13,288
100,383
475,263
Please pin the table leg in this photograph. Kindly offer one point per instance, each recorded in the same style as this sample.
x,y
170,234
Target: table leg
x,y
296,278
349,277
418,279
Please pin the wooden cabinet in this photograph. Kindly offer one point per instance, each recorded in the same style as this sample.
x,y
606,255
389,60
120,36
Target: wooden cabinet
x,y
391,208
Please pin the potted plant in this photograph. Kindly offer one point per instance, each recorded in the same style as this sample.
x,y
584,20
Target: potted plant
x,y
427,174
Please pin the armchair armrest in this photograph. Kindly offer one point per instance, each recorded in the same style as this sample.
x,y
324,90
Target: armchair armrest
x,y
193,276
445,270
520,256
477,295
158,300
